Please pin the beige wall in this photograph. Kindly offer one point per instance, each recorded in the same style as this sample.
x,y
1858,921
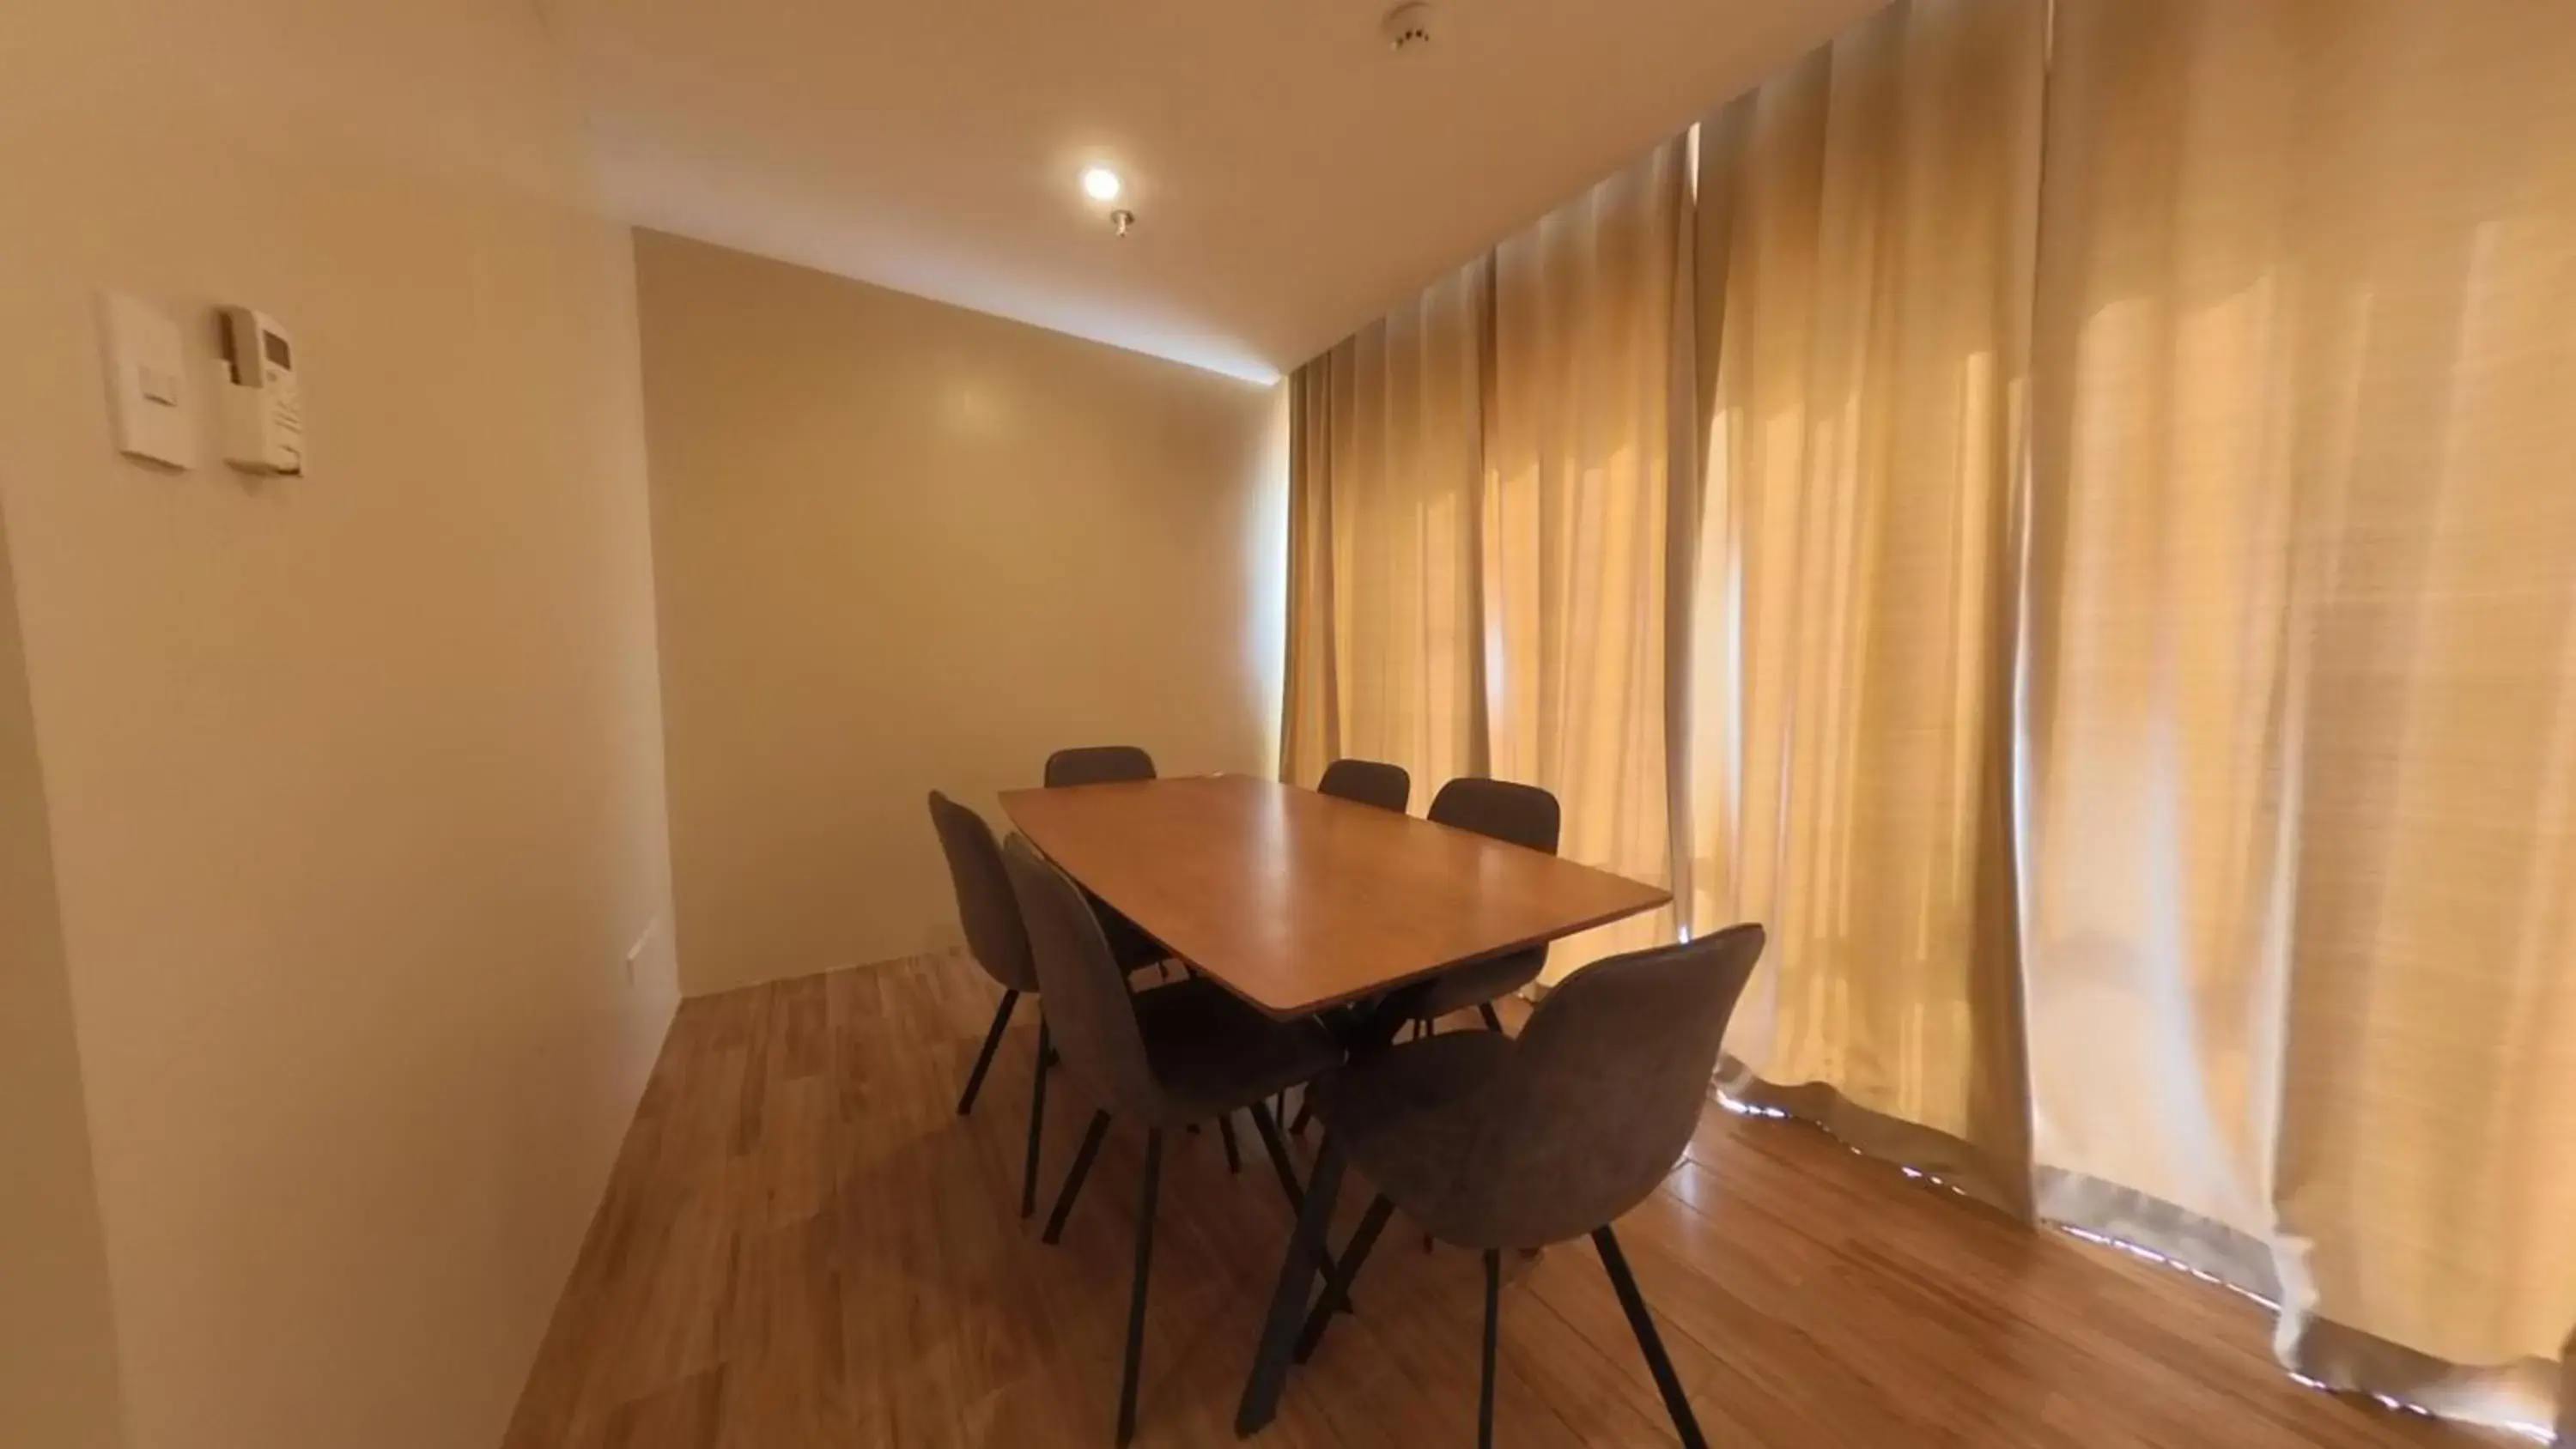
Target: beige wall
x,y
354,780
901,546
57,1339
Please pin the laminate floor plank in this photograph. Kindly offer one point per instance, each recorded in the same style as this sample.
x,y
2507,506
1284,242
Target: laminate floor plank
x,y
802,1244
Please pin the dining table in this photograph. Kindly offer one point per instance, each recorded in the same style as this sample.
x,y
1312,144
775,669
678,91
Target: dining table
x,y
1305,905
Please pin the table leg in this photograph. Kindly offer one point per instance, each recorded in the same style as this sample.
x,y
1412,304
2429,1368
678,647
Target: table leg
x,y
1307,1245
1369,1029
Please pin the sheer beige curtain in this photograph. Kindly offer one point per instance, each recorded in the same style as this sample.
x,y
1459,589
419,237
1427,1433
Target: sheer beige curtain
x,y
1386,469
2301,937
1866,263
1578,498
1481,498
2072,524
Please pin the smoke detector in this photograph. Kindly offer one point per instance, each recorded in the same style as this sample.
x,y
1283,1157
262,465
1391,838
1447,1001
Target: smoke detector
x,y
1407,28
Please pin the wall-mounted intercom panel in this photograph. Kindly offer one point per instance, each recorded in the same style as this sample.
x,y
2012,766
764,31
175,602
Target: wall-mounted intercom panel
x,y
263,403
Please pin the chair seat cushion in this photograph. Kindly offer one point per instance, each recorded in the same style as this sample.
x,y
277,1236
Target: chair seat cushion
x,y
1129,945
1211,1054
1471,986
1408,1117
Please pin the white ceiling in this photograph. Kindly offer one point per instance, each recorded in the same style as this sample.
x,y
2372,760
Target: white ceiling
x,y
1293,177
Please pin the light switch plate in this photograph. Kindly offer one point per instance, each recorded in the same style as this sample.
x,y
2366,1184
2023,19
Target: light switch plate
x,y
147,382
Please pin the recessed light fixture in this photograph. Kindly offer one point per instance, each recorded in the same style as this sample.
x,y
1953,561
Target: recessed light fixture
x,y
1100,183
1407,27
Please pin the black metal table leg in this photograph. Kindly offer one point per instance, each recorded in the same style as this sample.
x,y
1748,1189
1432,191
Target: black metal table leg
x,y
1361,1031
1277,1147
1493,1337
1306,1244
1337,1283
1233,1153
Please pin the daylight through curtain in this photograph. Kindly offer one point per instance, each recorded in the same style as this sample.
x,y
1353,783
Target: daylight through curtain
x,y
1578,500
1481,498
2067,514
1866,223
2301,845
1386,459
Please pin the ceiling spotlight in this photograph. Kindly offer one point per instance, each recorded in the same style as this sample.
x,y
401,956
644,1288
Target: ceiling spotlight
x,y
1100,183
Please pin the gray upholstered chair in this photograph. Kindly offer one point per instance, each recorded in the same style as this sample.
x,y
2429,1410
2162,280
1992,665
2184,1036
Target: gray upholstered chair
x,y
1098,765
1370,782
1171,1056
1524,815
1114,765
1493,1142
999,943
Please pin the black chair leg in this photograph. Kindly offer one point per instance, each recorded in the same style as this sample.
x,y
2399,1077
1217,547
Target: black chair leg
x,y
1233,1154
1642,1323
1486,1010
1337,1285
1037,1121
1081,1169
1136,1301
1267,1128
1305,1114
1493,1335
984,1058
1260,1401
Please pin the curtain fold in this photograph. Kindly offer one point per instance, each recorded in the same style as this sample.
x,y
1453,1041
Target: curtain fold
x,y
1578,514
1855,596
2304,638
1386,474
1481,497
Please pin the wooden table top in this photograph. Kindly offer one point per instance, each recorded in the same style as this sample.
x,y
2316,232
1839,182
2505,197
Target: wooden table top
x,y
1297,901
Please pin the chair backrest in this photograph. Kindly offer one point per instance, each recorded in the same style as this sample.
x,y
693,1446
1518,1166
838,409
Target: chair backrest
x,y
985,905
1370,782
1521,814
1607,1083
1089,1015
1098,765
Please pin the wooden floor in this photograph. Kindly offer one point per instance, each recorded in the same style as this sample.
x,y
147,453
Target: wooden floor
x,y
805,1245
